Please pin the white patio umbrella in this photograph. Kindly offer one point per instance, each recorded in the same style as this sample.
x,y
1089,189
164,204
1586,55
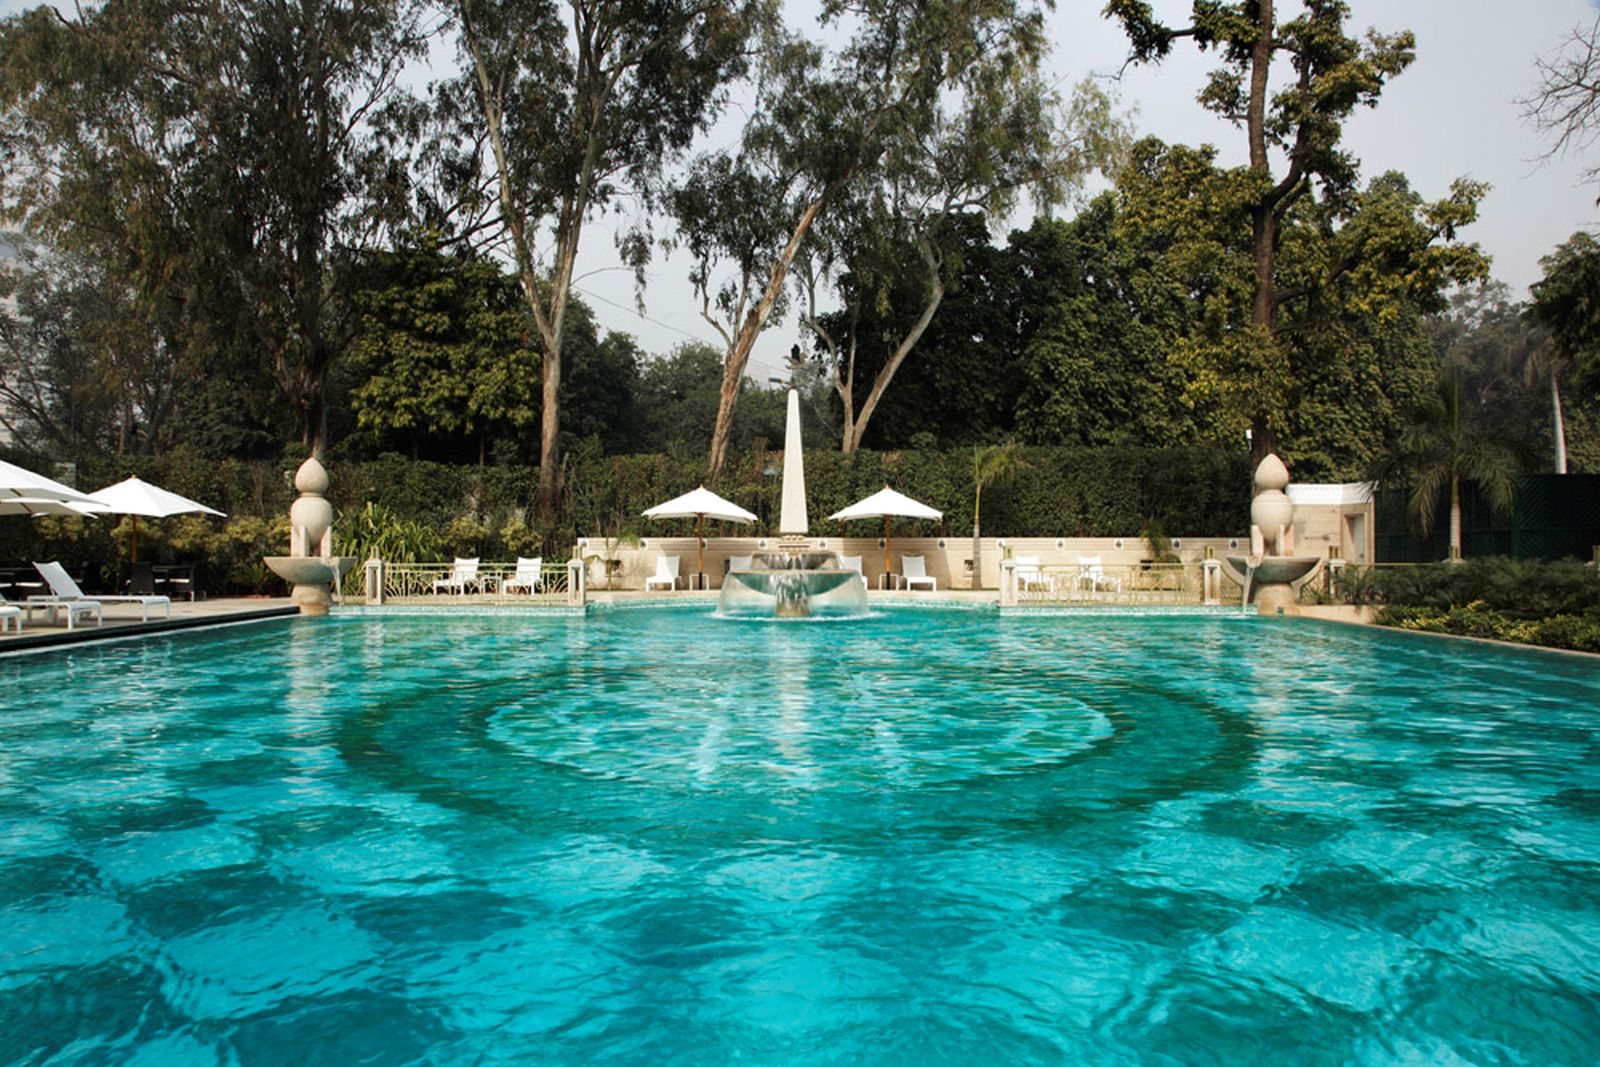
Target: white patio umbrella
x,y
137,497
38,506
884,504
24,490
700,504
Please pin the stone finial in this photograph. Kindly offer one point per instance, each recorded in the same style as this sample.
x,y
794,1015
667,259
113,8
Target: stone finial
x,y
1272,512
311,478
1271,473
311,516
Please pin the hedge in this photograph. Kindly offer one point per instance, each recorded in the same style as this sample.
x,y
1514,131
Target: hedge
x,y
487,510
1529,602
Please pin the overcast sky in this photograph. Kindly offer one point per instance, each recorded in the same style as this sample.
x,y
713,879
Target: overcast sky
x,y
1452,114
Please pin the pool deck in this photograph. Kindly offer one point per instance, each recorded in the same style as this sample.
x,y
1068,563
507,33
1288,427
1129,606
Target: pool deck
x,y
122,621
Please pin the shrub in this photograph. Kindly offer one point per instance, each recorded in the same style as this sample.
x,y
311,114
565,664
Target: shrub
x,y
1580,633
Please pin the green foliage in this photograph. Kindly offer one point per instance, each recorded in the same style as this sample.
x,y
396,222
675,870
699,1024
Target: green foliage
x,y
1566,301
378,531
1274,255
1439,449
1553,604
214,160
1520,589
443,347
1579,633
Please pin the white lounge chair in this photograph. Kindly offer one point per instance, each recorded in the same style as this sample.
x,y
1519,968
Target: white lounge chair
x,y
851,563
666,573
463,572
65,592
528,577
1030,575
740,563
1092,576
10,613
915,572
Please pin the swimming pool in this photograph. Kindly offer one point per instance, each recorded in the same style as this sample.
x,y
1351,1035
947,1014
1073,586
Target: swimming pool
x,y
932,837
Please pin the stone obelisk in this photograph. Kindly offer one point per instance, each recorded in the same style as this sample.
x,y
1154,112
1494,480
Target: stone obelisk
x,y
792,521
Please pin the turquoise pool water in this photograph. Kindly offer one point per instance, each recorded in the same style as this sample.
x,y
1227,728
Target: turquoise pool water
x,y
928,838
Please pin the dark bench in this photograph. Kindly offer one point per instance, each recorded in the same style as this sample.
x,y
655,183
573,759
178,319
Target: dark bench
x,y
180,581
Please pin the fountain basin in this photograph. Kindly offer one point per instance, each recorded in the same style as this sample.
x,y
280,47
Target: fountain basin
x,y
310,577
1273,570
793,594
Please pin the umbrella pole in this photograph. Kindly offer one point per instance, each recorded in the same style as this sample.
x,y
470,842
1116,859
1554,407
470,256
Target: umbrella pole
x,y
700,544
888,559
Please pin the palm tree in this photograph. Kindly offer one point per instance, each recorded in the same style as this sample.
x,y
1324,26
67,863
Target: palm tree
x,y
1440,449
991,465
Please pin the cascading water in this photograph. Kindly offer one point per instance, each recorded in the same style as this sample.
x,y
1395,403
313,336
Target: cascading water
x,y
793,594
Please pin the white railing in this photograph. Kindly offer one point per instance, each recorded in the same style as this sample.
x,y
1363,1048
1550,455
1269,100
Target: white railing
x,y
1088,584
442,584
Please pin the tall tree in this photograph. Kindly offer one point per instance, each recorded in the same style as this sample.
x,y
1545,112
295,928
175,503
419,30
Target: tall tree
x,y
1333,74
1006,138
563,108
229,139
926,108
1566,301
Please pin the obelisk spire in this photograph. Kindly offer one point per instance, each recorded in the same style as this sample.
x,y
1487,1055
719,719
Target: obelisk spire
x,y
792,520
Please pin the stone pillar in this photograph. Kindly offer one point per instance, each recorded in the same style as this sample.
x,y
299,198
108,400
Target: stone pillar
x,y
577,589
792,520
1008,583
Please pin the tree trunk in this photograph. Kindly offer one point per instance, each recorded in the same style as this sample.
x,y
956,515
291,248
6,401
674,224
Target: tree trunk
x,y
1560,424
1455,520
739,355
1263,221
856,427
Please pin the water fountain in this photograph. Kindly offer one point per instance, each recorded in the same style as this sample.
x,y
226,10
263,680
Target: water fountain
x,y
1271,574
797,581
311,567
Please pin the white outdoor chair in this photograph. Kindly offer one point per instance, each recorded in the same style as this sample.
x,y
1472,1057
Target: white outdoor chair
x,y
666,573
1030,575
528,577
914,570
740,563
10,613
1092,576
463,572
64,592
851,563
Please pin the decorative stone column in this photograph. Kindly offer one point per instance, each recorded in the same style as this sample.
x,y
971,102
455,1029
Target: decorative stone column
x,y
1271,575
311,567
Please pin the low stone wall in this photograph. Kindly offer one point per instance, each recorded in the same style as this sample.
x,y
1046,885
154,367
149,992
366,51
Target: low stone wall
x,y
948,559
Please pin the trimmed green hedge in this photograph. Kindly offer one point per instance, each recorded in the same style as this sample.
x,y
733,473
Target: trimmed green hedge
x,y
1552,604
487,510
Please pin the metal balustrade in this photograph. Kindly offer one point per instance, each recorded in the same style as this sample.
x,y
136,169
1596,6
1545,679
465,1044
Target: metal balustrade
x,y
437,584
1137,584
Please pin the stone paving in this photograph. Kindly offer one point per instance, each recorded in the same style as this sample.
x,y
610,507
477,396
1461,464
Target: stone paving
x,y
123,620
